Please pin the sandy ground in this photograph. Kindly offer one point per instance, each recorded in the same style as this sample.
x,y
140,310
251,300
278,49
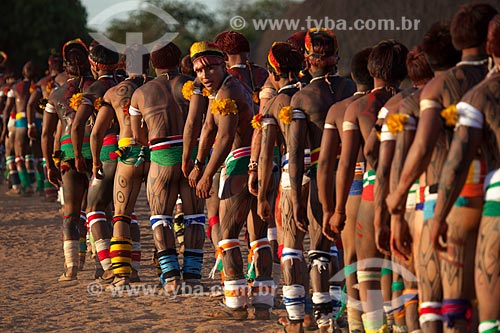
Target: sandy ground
x,y
32,300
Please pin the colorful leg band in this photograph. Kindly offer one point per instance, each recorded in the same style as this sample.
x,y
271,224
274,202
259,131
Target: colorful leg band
x,y
169,265
254,247
94,217
263,293
102,249
291,254
40,178
385,271
196,219
163,220
456,309
397,286
399,329
354,316
70,249
122,218
410,297
489,326
320,259
224,245
295,302
211,222
134,219
322,308
193,262
136,255
70,226
430,311
120,250
334,251
365,276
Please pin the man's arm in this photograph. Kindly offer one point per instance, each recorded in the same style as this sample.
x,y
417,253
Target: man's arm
x,y
419,156
465,143
351,142
82,114
49,126
265,166
9,105
326,167
103,121
192,128
31,108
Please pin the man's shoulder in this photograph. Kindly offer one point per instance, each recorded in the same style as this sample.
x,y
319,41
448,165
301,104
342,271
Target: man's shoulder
x,y
484,93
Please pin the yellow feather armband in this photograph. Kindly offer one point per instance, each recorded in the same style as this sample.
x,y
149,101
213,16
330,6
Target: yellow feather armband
x,y
257,121
285,115
224,107
188,90
396,122
75,101
450,115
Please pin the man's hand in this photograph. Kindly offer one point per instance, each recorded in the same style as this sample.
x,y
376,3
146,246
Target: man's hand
x,y
300,217
327,230
97,171
203,189
194,176
264,210
253,183
395,203
382,238
187,167
32,132
401,241
54,176
439,232
80,164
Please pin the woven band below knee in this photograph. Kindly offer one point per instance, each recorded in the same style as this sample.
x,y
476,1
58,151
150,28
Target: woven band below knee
x,y
430,311
366,276
456,309
136,255
263,293
193,262
255,246
102,249
122,218
235,293
94,217
70,249
399,329
320,259
489,326
120,251
385,271
196,219
322,308
334,251
211,222
222,246
133,218
289,253
161,220
295,302
169,265
410,297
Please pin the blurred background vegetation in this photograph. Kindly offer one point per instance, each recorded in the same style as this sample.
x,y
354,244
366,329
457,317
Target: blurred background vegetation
x,y
32,29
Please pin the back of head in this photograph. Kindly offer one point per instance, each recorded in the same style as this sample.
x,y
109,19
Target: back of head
x,y
136,59
232,42
103,58
297,40
283,59
75,56
418,67
469,26
321,47
166,57
55,62
493,41
187,66
438,47
359,67
387,61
